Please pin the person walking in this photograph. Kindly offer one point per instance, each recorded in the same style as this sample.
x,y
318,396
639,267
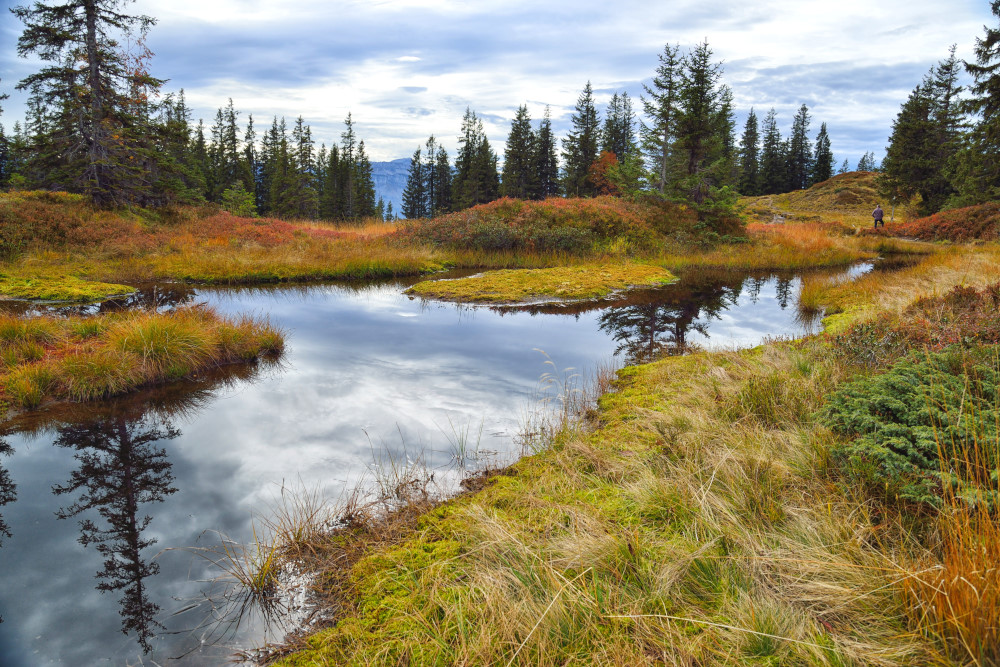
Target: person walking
x,y
878,213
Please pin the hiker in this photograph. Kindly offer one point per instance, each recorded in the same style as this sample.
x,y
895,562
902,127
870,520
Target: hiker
x,y
877,214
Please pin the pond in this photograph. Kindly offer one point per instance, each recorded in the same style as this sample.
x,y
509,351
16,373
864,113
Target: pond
x,y
101,505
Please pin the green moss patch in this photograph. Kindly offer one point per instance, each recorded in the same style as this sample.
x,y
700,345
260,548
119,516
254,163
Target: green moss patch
x,y
58,288
572,282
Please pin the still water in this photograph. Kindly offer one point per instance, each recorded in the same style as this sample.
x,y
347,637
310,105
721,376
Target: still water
x,y
100,505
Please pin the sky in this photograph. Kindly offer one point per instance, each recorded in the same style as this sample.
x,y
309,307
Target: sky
x,y
406,69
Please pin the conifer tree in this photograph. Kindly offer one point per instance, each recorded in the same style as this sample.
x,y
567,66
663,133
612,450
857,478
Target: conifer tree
x,y
442,199
364,198
476,180
701,125
545,161
414,193
519,176
823,158
867,162
662,107
618,136
580,147
95,99
749,182
432,184
800,157
976,172
844,167
772,157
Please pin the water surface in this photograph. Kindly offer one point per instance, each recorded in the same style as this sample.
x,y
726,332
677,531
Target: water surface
x,y
98,502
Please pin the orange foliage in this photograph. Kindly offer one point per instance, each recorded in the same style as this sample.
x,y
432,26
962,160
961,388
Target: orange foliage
x,y
598,174
961,224
569,225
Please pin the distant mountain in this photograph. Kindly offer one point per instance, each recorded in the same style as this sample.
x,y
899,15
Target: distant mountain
x,y
390,181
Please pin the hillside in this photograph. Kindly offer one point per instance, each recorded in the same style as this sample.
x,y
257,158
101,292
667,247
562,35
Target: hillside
x,y
847,198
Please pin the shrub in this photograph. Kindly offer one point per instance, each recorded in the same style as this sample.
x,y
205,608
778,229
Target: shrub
x,y
556,225
929,422
959,224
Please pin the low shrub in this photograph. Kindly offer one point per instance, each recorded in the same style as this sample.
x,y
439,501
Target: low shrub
x,y
964,316
571,225
927,424
980,222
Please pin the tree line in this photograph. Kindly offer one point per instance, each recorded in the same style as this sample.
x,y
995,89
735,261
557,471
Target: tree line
x,y
945,146
682,147
96,124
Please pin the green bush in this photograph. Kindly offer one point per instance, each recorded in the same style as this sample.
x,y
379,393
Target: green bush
x,y
926,426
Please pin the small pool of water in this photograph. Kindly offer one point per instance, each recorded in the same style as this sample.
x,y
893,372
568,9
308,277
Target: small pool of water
x,y
101,504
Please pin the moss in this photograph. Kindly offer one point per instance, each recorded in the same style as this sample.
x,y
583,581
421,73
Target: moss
x,y
58,288
576,282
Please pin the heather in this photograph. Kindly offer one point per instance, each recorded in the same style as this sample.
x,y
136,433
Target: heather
x,y
971,223
571,225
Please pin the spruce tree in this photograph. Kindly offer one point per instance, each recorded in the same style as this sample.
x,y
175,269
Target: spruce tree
x,y
700,125
662,107
442,200
976,170
772,157
476,180
749,182
580,147
432,183
545,161
414,193
365,201
519,177
618,136
823,158
800,158
96,99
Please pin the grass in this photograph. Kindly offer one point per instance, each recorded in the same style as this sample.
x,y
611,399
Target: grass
x,y
567,283
80,359
696,517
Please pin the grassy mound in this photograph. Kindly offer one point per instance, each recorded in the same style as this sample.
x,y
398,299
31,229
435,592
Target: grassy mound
x,y
82,359
572,225
576,282
981,222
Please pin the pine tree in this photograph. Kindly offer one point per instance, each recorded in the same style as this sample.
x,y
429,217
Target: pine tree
x,y
772,157
519,175
823,158
662,107
95,98
348,145
749,183
304,197
844,167
580,147
414,193
800,158
546,162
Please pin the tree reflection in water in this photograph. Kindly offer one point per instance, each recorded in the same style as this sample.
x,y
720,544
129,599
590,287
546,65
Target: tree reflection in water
x,y
120,470
121,473
659,325
8,492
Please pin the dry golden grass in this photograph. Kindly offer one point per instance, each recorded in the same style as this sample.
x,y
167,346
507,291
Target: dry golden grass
x,y
693,526
934,275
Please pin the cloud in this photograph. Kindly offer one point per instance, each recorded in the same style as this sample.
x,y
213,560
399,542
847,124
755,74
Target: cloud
x,y
409,68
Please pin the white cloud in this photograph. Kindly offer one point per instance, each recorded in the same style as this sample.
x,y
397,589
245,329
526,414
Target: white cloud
x,y
851,62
